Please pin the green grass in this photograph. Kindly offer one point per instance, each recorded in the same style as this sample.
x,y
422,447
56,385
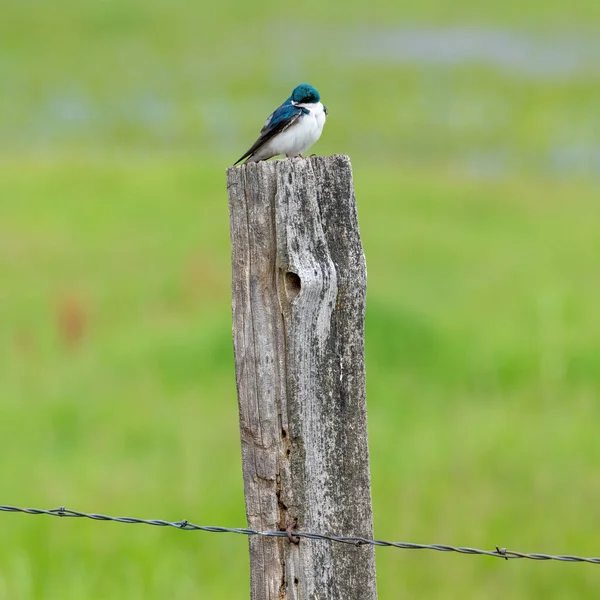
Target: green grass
x,y
479,215
482,365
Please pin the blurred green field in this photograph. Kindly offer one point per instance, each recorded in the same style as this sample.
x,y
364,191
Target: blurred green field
x,y
477,187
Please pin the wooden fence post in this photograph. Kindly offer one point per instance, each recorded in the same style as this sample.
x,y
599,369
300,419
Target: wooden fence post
x,y
299,289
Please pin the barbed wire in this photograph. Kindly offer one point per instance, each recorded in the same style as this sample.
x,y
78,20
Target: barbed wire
x,y
353,540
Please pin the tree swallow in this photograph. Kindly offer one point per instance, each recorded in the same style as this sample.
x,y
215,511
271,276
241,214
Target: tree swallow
x,y
291,129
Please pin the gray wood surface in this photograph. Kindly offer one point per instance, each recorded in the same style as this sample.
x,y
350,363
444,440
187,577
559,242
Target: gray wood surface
x,y
298,299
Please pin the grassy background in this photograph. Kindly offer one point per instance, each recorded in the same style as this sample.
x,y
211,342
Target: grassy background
x,y
478,202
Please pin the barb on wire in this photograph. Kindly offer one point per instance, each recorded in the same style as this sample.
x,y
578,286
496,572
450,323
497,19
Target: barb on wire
x,y
355,541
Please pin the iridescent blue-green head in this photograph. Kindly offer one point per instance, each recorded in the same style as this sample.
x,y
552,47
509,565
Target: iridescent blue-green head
x,y
305,94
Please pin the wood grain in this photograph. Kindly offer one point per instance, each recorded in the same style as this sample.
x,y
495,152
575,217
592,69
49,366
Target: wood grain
x,y
298,300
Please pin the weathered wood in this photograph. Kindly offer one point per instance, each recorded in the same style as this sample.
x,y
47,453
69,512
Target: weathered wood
x,y
299,289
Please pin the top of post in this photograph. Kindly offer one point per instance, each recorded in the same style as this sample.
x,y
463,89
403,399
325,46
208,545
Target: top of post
x,y
335,161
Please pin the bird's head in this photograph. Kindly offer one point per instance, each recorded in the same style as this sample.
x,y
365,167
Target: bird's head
x,y
305,94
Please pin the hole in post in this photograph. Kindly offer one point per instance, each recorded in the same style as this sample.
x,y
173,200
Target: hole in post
x,y
283,433
293,285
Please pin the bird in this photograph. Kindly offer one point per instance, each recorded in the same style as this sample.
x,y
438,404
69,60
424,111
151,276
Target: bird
x,y
292,128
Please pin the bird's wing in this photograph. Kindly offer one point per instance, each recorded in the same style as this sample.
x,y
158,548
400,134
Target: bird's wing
x,y
277,110
278,121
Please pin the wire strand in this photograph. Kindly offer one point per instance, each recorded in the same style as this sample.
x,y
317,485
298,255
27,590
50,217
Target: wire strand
x,y
352,540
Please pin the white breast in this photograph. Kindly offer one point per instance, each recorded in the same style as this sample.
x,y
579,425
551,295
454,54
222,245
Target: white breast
x,y
301,135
